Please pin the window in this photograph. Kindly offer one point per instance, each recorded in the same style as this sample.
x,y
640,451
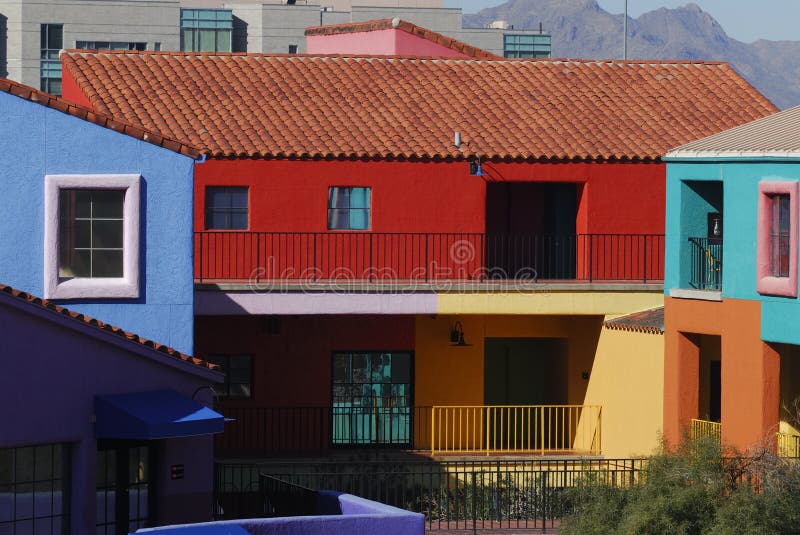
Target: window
x,y
91,236
110,45
206,30
348,208
526,46
90,233
371,397
34,489
238,370
777,238
52,41
292,49
226,208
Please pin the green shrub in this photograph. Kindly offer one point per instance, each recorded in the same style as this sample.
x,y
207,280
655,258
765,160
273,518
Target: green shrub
x,y
694,490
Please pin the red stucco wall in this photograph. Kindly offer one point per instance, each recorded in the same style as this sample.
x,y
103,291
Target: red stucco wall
x,y
291,195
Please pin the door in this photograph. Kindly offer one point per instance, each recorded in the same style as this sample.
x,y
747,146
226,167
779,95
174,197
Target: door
x,y
124,490
372,398
523,371
530,229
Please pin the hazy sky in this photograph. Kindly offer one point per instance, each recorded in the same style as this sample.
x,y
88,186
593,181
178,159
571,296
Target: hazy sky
x,y
745,20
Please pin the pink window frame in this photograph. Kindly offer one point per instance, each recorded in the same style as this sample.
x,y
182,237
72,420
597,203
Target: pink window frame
x,y
765,282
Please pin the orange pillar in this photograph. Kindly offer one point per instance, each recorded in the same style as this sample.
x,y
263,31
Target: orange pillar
x,y
681,384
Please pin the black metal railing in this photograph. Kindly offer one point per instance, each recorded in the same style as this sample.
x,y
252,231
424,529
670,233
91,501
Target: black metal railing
x,y
706,263
269,430
453,495
426,257
282,498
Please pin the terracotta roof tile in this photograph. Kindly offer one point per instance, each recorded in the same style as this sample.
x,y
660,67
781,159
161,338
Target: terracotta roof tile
x,y
300,106
647,321
81,112
397,24
161,348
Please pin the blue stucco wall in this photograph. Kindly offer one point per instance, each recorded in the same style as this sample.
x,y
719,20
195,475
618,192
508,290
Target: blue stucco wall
x,y
740,211
37,141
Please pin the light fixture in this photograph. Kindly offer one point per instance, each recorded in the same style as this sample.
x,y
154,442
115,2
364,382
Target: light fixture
x,y
457,335
475,168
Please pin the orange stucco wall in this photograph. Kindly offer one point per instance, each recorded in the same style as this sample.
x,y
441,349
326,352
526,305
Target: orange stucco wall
x,y
750,370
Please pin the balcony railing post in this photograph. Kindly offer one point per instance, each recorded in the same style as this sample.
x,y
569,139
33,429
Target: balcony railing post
x,y
200,260
314,257
644,260
591,259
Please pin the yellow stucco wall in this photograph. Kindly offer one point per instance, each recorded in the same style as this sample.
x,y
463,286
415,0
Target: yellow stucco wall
x,y
628,381
544,302
447,375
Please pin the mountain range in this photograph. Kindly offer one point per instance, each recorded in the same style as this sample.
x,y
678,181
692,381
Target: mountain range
x,y
582,29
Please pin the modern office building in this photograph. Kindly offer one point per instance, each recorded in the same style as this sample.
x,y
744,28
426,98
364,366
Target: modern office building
x,y
33,32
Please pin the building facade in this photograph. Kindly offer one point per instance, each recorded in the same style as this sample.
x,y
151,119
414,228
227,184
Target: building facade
x,y
384,247
95,217
68,458
731,285
33,32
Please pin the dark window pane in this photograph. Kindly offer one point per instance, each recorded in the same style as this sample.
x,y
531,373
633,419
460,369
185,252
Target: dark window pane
x,y
77,264
108,203
107,264
401,368
55,36
238,221
107,234
226,208
24,465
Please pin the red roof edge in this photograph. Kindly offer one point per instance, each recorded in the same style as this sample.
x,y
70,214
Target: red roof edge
x,y
89,115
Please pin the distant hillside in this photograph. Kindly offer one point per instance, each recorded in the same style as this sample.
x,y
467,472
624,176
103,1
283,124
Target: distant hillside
x,y
582,29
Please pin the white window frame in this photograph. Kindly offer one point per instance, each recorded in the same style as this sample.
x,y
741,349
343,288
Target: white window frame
x,y
125,287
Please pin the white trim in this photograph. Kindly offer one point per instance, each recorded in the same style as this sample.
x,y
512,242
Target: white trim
x,y
702,295
126,287
733,154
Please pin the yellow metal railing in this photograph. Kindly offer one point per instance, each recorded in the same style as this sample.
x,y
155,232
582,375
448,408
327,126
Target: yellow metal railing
x,y
706,428
516,429
788,445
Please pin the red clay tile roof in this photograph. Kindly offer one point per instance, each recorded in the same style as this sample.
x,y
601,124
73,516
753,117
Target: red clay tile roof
x,y
397,24
81,112
647,321
161,348
295,106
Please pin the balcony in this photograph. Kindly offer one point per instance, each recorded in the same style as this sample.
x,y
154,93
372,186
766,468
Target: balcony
x,y
439,430
265,258
706,263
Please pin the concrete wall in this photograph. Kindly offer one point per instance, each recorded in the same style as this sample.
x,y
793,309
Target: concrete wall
x,y
38,141
101,20
55,365
627,379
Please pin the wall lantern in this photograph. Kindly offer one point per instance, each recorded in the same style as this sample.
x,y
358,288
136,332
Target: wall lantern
x,y
457,335
475,168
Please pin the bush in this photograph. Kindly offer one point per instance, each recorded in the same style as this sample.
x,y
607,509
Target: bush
x,y
694,490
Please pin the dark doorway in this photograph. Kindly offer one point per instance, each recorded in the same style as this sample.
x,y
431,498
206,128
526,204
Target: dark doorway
x,y
125,493
522,371
710,397
530,229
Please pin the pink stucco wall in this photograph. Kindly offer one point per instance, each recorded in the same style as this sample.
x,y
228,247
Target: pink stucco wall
x,y
390,42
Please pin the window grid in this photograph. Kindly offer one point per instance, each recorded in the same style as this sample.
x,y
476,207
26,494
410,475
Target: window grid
x,y
779,235
34,489
91,220
526,46
349,208
238,370
206,30
227,208
52,41
110,45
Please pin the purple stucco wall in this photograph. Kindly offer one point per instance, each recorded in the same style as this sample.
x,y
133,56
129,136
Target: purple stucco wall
x,y
54,365
358,517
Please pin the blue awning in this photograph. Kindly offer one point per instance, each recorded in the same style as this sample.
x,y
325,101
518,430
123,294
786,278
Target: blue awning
x,y
153,415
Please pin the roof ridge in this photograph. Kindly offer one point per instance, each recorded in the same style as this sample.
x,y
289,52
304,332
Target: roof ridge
x,y
88,320
106,121
85,52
